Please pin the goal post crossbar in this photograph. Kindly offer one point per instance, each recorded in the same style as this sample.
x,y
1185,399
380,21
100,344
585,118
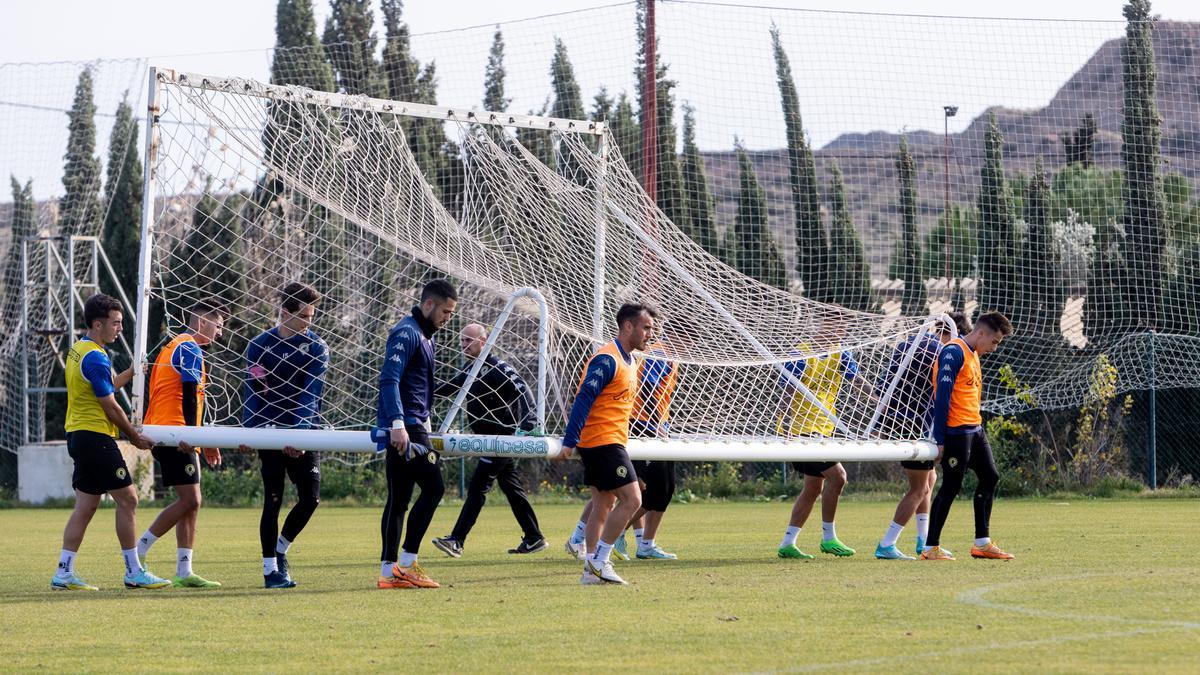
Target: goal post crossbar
x,y
253,88
550,447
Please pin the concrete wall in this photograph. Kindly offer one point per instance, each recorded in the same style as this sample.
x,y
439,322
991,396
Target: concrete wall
x,y
44,471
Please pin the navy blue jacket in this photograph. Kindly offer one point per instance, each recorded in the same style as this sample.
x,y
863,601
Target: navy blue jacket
x,y
284,379
406,383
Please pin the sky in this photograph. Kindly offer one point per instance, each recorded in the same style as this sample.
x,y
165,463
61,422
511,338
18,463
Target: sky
x,y
856,72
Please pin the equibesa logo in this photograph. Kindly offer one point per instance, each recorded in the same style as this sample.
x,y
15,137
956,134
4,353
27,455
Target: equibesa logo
x,y
482,445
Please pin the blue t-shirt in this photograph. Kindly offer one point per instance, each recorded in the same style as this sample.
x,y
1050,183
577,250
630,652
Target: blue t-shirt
x,y
284,380
97,370
188,361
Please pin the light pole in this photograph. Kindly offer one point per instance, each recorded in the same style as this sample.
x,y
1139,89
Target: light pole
x,y
951,111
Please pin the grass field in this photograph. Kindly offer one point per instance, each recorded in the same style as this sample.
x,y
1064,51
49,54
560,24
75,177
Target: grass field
x,y
1096,586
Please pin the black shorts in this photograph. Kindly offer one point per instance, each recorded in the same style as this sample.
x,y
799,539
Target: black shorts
x,y
302,470
659,478
607,467
99,466
917,465
814,469
177,468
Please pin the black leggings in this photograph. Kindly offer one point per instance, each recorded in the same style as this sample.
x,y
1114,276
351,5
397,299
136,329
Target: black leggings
x,y
962,452
504,471
403,475
305,473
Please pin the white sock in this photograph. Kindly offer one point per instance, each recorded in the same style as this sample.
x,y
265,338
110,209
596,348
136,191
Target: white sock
x,y
183,562
827,531
269,565
385,568
578,535
407,559
145,542
923,525
893,535
789,537
983,541
282,545
132,566
637,535
646,545
66,564
603,552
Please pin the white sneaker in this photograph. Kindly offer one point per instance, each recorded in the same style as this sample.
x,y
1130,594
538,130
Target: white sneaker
x,y
605,572
589,579
577,551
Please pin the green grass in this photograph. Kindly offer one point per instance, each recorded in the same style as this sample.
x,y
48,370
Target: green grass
x,y
1096,586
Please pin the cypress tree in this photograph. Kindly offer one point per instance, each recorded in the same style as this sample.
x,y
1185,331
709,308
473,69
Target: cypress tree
x,y
751,248
996,238
493,77
668,179
22,226
349,41
300,60
567,103
701,207
407,80
1040,290
812,245
851,273
1080,146
626,132
910,242
298,57
80,211
1144,201
122,232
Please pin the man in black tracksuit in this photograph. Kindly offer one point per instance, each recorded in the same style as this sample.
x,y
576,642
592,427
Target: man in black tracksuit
x,y
498,404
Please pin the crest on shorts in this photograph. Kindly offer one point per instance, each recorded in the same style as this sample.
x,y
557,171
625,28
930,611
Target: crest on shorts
x,y
121,473
432,457
622,471
190,469
953,462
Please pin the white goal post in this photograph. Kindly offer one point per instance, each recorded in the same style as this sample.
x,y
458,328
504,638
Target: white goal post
x,y
250,185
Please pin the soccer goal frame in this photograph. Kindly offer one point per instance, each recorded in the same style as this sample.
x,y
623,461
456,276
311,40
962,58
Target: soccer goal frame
x,y
851,447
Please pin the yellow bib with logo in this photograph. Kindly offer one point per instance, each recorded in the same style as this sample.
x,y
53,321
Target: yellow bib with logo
x,y
83,408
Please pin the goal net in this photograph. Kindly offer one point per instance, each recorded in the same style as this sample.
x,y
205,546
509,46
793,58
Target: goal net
x,y
258,185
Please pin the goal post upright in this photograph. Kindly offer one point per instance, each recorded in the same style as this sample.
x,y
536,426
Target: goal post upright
x,y
599,254
149,185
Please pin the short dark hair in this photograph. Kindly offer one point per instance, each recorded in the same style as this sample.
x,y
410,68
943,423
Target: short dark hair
x,y
208,307
438,289
632,310
997,322
297,293
98,307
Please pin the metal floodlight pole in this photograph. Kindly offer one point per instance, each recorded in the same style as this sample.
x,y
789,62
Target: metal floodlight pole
x,y
950,111
149,184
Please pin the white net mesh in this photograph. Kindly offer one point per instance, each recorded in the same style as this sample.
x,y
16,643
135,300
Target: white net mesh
x,y
1079,276
61,125
263,185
